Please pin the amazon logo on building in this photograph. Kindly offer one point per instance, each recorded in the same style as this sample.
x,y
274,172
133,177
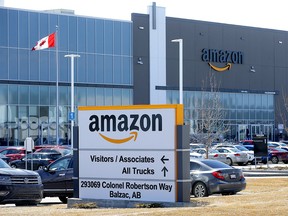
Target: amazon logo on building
x,y
132,123
225,57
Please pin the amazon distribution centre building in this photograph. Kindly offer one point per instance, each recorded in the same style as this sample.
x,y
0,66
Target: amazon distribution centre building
x,y
135,62
249,65
103,72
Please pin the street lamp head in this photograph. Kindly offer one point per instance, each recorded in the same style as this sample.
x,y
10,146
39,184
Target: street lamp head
x,y
72,55
177,40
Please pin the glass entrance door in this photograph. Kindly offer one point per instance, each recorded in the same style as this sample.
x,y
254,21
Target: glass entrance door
x,y
268,131
242,132
256,130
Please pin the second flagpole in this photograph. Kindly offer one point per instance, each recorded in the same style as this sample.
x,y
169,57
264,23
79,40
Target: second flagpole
x,y
57,90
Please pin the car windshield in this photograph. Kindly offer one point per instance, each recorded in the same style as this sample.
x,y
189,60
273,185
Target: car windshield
x,y
234,150
213,151
241,148
3,164
215,164
60,164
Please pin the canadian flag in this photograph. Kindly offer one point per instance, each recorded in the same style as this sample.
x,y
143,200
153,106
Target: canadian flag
x,y
46,42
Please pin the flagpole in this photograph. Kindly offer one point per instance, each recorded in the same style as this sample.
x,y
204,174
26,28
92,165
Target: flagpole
x,y
57,90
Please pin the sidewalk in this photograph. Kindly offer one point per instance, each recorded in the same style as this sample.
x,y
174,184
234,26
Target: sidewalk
x,y
264,170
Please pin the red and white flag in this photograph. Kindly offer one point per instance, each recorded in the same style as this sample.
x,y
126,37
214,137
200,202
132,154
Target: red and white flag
x,y
46,42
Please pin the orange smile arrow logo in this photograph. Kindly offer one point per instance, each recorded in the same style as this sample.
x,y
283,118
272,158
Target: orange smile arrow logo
x,y
220,69
120,141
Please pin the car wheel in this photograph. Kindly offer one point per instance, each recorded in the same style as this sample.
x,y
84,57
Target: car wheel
x,y
253,161
229,161
63,199
275,160
285,162
200,190
241,164
40,167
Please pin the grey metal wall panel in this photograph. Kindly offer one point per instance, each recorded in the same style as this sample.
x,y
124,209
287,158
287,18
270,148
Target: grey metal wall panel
x,y
141,50
258,47
265,50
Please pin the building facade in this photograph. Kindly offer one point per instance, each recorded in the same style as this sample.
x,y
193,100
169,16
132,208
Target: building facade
x,y
249,66
136,62
28,79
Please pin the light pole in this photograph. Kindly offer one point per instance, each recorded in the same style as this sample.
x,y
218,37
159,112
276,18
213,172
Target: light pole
x,y
72,114
180,41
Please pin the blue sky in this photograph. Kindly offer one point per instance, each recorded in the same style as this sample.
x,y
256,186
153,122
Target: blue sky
x,y
256,13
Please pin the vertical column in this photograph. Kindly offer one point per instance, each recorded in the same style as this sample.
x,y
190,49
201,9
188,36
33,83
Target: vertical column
x,y
157,53
183,159
76,161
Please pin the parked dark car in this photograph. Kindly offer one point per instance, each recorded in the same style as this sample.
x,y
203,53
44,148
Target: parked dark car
x,y
19,187
14,152
35,161
214,177
56,149
57,178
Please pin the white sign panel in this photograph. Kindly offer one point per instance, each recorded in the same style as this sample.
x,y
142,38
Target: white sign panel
x,y
127,129
128,153
128,164
29,144
128,190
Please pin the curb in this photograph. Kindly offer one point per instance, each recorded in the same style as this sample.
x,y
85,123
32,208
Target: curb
x,y
264,173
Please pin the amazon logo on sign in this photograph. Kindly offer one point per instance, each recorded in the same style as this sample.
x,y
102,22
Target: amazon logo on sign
x,y
124,123
226,57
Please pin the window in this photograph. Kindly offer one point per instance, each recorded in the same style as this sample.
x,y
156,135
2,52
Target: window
x,y
108,35
13,28
90,36
73,33
61,164
108,65
194,166
3,94
13,94
81,35
99,36
127,37
4,27
99,68
91,96
117,38
34,95
3,63
23,26
13,68
23,94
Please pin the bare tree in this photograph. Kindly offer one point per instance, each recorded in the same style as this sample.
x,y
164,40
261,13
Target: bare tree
x,y
283,111
210,121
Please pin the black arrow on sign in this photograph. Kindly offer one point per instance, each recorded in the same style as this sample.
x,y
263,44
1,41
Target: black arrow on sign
x,y
163,159
164,170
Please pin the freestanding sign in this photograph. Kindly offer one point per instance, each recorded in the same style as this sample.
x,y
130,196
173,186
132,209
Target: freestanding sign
x,y
260,146
130,153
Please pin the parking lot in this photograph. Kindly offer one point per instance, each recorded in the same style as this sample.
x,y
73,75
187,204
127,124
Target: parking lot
x,y
262,196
